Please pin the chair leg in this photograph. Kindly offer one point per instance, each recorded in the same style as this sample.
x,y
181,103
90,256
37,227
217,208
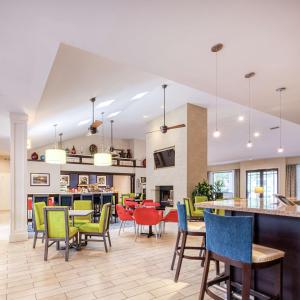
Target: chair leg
x,y
79,240
217,267
281,280
175,250
46,250
202,252
228,281
43,237
137,232
134,226
67,251
34,239
155,228
181,253
120,227
105,244
57,246
246,281
124,225
108,236
204,276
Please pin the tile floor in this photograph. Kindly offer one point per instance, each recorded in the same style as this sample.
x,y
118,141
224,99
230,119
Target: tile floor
x,y
131,270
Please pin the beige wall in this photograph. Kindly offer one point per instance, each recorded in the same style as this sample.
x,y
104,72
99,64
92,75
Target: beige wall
x,y
4,183
278,163
121,184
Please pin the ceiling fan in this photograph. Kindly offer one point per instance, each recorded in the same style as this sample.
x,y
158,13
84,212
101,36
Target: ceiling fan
x,y
164,128
96,123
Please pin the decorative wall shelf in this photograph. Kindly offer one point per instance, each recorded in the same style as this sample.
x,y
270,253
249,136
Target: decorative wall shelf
x,y
88,160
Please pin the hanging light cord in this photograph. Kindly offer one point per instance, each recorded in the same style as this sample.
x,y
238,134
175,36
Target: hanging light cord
x,y
280,119
216,91
249,105
165,105
55,143
102,131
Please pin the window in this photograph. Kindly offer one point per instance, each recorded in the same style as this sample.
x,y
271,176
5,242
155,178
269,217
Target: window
x,y
227,177
268,179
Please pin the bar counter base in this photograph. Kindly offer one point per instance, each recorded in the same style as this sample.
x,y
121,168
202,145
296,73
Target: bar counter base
x,y
281,233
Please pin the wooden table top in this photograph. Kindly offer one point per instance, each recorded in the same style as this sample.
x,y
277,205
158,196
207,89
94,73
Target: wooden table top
x,y
79,213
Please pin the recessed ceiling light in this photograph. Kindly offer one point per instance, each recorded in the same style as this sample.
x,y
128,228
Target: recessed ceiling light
x,y
114,114
256,134
139,96
145,117
105,103
241,118
84,122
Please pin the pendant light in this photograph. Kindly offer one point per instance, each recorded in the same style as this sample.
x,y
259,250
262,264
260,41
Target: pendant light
x,y
103,158
55,155
215,49
249,76
280,90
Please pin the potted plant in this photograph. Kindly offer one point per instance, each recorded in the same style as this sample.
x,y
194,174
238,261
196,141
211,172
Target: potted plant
x,y
203,189
217,189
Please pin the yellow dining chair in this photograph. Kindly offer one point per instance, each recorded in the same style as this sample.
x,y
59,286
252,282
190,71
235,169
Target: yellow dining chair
x,y
82,205
57,229
100,229
38,224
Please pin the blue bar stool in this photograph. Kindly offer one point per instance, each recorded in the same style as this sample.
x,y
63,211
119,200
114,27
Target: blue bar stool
x,y
186,229
229,240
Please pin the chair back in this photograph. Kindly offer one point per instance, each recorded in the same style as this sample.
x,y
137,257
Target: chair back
x,y
187,207
146,216
132,195
122,213
199,199
82,205
172,216
105,218
123,197
38,210
182,216
230,237
56,222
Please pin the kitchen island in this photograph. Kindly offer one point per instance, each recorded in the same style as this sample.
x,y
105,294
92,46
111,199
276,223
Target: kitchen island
x,y
275,225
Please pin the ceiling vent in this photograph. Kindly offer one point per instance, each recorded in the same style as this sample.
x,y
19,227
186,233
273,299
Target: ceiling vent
x,y
275,127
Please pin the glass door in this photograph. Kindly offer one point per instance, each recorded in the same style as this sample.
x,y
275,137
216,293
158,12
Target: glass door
x,y
268,179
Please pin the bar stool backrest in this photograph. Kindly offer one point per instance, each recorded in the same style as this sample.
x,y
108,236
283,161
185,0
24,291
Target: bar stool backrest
x,y
182,219
229,237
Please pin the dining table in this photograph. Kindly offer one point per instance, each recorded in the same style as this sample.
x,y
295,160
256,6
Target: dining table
x,y
79,213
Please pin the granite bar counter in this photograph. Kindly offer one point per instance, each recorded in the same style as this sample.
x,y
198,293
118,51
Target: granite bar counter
x,y
275,225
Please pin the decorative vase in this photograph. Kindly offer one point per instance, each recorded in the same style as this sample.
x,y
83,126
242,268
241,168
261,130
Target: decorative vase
x,y
73,151
42,157
34,156
144,163
122,153
93,149
129,155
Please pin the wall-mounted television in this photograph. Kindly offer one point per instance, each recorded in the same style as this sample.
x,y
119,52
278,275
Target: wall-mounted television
x,y
164,158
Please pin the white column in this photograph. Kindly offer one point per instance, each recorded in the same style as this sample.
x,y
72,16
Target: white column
x,y
18,174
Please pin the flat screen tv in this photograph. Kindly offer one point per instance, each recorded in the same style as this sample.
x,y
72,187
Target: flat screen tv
x,y
164,158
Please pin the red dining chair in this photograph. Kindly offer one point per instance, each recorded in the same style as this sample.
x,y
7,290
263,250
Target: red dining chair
x,y
170,217
150,203
145,216
124,216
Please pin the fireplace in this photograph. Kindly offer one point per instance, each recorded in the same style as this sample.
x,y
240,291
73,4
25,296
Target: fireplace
x,y
165,195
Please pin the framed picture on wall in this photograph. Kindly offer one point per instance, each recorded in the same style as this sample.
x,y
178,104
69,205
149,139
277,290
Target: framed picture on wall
x,y
40,179
65,180
83,179
101,180
143,179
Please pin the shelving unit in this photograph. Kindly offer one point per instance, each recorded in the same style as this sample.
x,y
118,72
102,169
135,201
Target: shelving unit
x,y
88,160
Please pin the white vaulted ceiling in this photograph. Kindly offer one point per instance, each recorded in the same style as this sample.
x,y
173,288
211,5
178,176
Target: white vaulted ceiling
x,y
140,44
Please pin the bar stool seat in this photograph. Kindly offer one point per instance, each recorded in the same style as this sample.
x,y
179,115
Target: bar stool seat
x,y
262,254
196,227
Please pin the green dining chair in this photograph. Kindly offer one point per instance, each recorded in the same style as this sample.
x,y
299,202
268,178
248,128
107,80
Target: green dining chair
x,y
57,229
38,224
199,199
191,212
82,205
98,230
123,197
